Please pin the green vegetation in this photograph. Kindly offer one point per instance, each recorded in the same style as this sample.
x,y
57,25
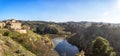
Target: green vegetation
x,y
50,29
44,27
9,47
101,47
38,39
86,32
37,44
46,30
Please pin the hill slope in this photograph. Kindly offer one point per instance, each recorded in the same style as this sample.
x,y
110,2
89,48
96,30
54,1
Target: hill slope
x,y
86,32
9,47
37,44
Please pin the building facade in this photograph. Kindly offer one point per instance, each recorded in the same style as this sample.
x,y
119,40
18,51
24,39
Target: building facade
x,y
13,25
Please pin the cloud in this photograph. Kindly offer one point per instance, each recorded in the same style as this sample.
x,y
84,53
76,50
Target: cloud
x,y
118,4
106,13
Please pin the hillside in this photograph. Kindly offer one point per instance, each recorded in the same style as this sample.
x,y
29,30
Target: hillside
x,y
51,29
38,39
86,32
83,33
32,42
9,47
38,36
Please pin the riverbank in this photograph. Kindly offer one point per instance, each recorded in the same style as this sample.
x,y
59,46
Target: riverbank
x,y
64,48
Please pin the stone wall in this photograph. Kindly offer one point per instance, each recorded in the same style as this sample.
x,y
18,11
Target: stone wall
x,y
22,31
15,26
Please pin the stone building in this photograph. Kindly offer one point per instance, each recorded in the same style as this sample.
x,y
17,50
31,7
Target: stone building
x,y
21,31
14,25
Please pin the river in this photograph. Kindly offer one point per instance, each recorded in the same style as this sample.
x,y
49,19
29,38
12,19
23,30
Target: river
x,y
64,48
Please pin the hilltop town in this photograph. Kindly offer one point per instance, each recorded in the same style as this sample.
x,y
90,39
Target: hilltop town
x,y
14,25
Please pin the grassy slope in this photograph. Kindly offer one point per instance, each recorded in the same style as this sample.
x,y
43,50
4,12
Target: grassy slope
x,y
38,44
8,47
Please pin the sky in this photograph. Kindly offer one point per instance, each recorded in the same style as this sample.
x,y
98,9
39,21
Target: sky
x,y
61,10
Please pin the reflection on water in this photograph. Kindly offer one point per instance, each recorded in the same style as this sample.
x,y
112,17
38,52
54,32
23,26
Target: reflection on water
x,y
64,48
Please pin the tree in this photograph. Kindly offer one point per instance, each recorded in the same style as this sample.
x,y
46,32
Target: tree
x,y
46,30
101,47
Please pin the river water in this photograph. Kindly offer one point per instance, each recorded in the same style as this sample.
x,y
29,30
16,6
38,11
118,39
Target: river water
x,y
64,48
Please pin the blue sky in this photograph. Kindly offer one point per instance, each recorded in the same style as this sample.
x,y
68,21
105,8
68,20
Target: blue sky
x,y
61,10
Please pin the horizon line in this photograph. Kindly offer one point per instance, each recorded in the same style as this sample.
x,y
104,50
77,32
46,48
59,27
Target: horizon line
x,y
63,21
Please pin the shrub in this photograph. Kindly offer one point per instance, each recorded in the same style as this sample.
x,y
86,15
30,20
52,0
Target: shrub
x,y
101,47
6,33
